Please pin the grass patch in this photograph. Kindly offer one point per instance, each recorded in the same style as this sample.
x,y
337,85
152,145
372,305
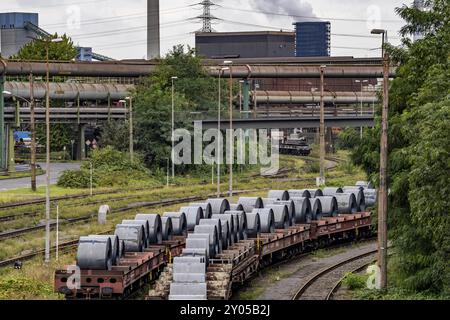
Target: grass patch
x,y
353,281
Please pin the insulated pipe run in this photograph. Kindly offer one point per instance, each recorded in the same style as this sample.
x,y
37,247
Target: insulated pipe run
x,y
308,97
70,91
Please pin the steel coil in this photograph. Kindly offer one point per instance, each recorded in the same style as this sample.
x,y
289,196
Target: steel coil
x,y
315,193
359,194
95,253
219,205
115,247
365,184
143,223
299,193
233,229
303,210
329,206
267,219
155,226
133,236
280,214
167,228
370,196
253,224
278,194
331,191
267,201
214,236
179,224
291,209
236,207
193,216
346,203
250,203
316,209
240,220
218,225
195,243
206,207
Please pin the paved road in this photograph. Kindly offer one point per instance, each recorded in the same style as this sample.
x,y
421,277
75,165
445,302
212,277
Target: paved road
x,y
56,169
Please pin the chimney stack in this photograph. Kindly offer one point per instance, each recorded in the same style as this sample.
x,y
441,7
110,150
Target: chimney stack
x,y
153,36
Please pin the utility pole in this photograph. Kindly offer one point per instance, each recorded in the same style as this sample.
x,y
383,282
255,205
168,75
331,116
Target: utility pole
x,y
231,144
33,135
47,161
131,138
173,127
383,198
382,193
322,126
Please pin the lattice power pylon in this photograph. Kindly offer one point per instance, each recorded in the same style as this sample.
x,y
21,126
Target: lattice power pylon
x,y
207,17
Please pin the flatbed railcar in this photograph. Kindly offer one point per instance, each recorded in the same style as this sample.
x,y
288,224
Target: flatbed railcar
x,y
232,267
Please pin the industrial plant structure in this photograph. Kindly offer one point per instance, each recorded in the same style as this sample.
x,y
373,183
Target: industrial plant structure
x,y
13,32
312,39
252,44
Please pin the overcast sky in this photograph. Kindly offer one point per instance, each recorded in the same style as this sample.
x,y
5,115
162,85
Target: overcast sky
x,y
118,28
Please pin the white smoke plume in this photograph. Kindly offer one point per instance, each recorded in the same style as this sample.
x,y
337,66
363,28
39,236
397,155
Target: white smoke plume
x,y
301,10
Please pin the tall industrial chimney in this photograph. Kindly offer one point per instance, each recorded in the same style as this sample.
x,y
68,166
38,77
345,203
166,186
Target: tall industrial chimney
x,y
153,37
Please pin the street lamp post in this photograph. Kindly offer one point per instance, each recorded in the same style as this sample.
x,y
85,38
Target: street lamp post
x,y
131,142
363,81
173,127
231,144
322,126
218,151
382,194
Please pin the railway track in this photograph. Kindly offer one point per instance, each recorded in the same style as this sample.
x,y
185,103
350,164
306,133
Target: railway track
x,y
322,284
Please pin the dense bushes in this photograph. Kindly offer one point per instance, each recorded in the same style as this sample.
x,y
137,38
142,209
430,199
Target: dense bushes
x,y
110,168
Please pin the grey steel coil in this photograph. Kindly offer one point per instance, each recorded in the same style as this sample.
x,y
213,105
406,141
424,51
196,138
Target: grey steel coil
x,y
133,236
115,246
250,203
280,214
167,228
278,194
253,224
315,193
303,210
214,240
155,226
236,207
193,216
331,191
179,224
267,219
233,229
316,209
329,206
218,224
207,209
240,219
299,193
95,253
291,209
143,223
219,205
346,203
359,194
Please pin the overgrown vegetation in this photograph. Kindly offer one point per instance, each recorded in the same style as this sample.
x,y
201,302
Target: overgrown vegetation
x,y
109,168
419,135
354,281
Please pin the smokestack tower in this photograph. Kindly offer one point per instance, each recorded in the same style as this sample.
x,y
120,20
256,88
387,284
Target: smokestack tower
x,y
153,33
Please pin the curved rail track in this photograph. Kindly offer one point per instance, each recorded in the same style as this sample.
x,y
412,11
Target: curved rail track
x,y
322,284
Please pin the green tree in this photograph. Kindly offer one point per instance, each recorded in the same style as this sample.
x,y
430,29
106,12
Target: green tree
x,y
419,131
36,50
115,133
60,134
195,91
